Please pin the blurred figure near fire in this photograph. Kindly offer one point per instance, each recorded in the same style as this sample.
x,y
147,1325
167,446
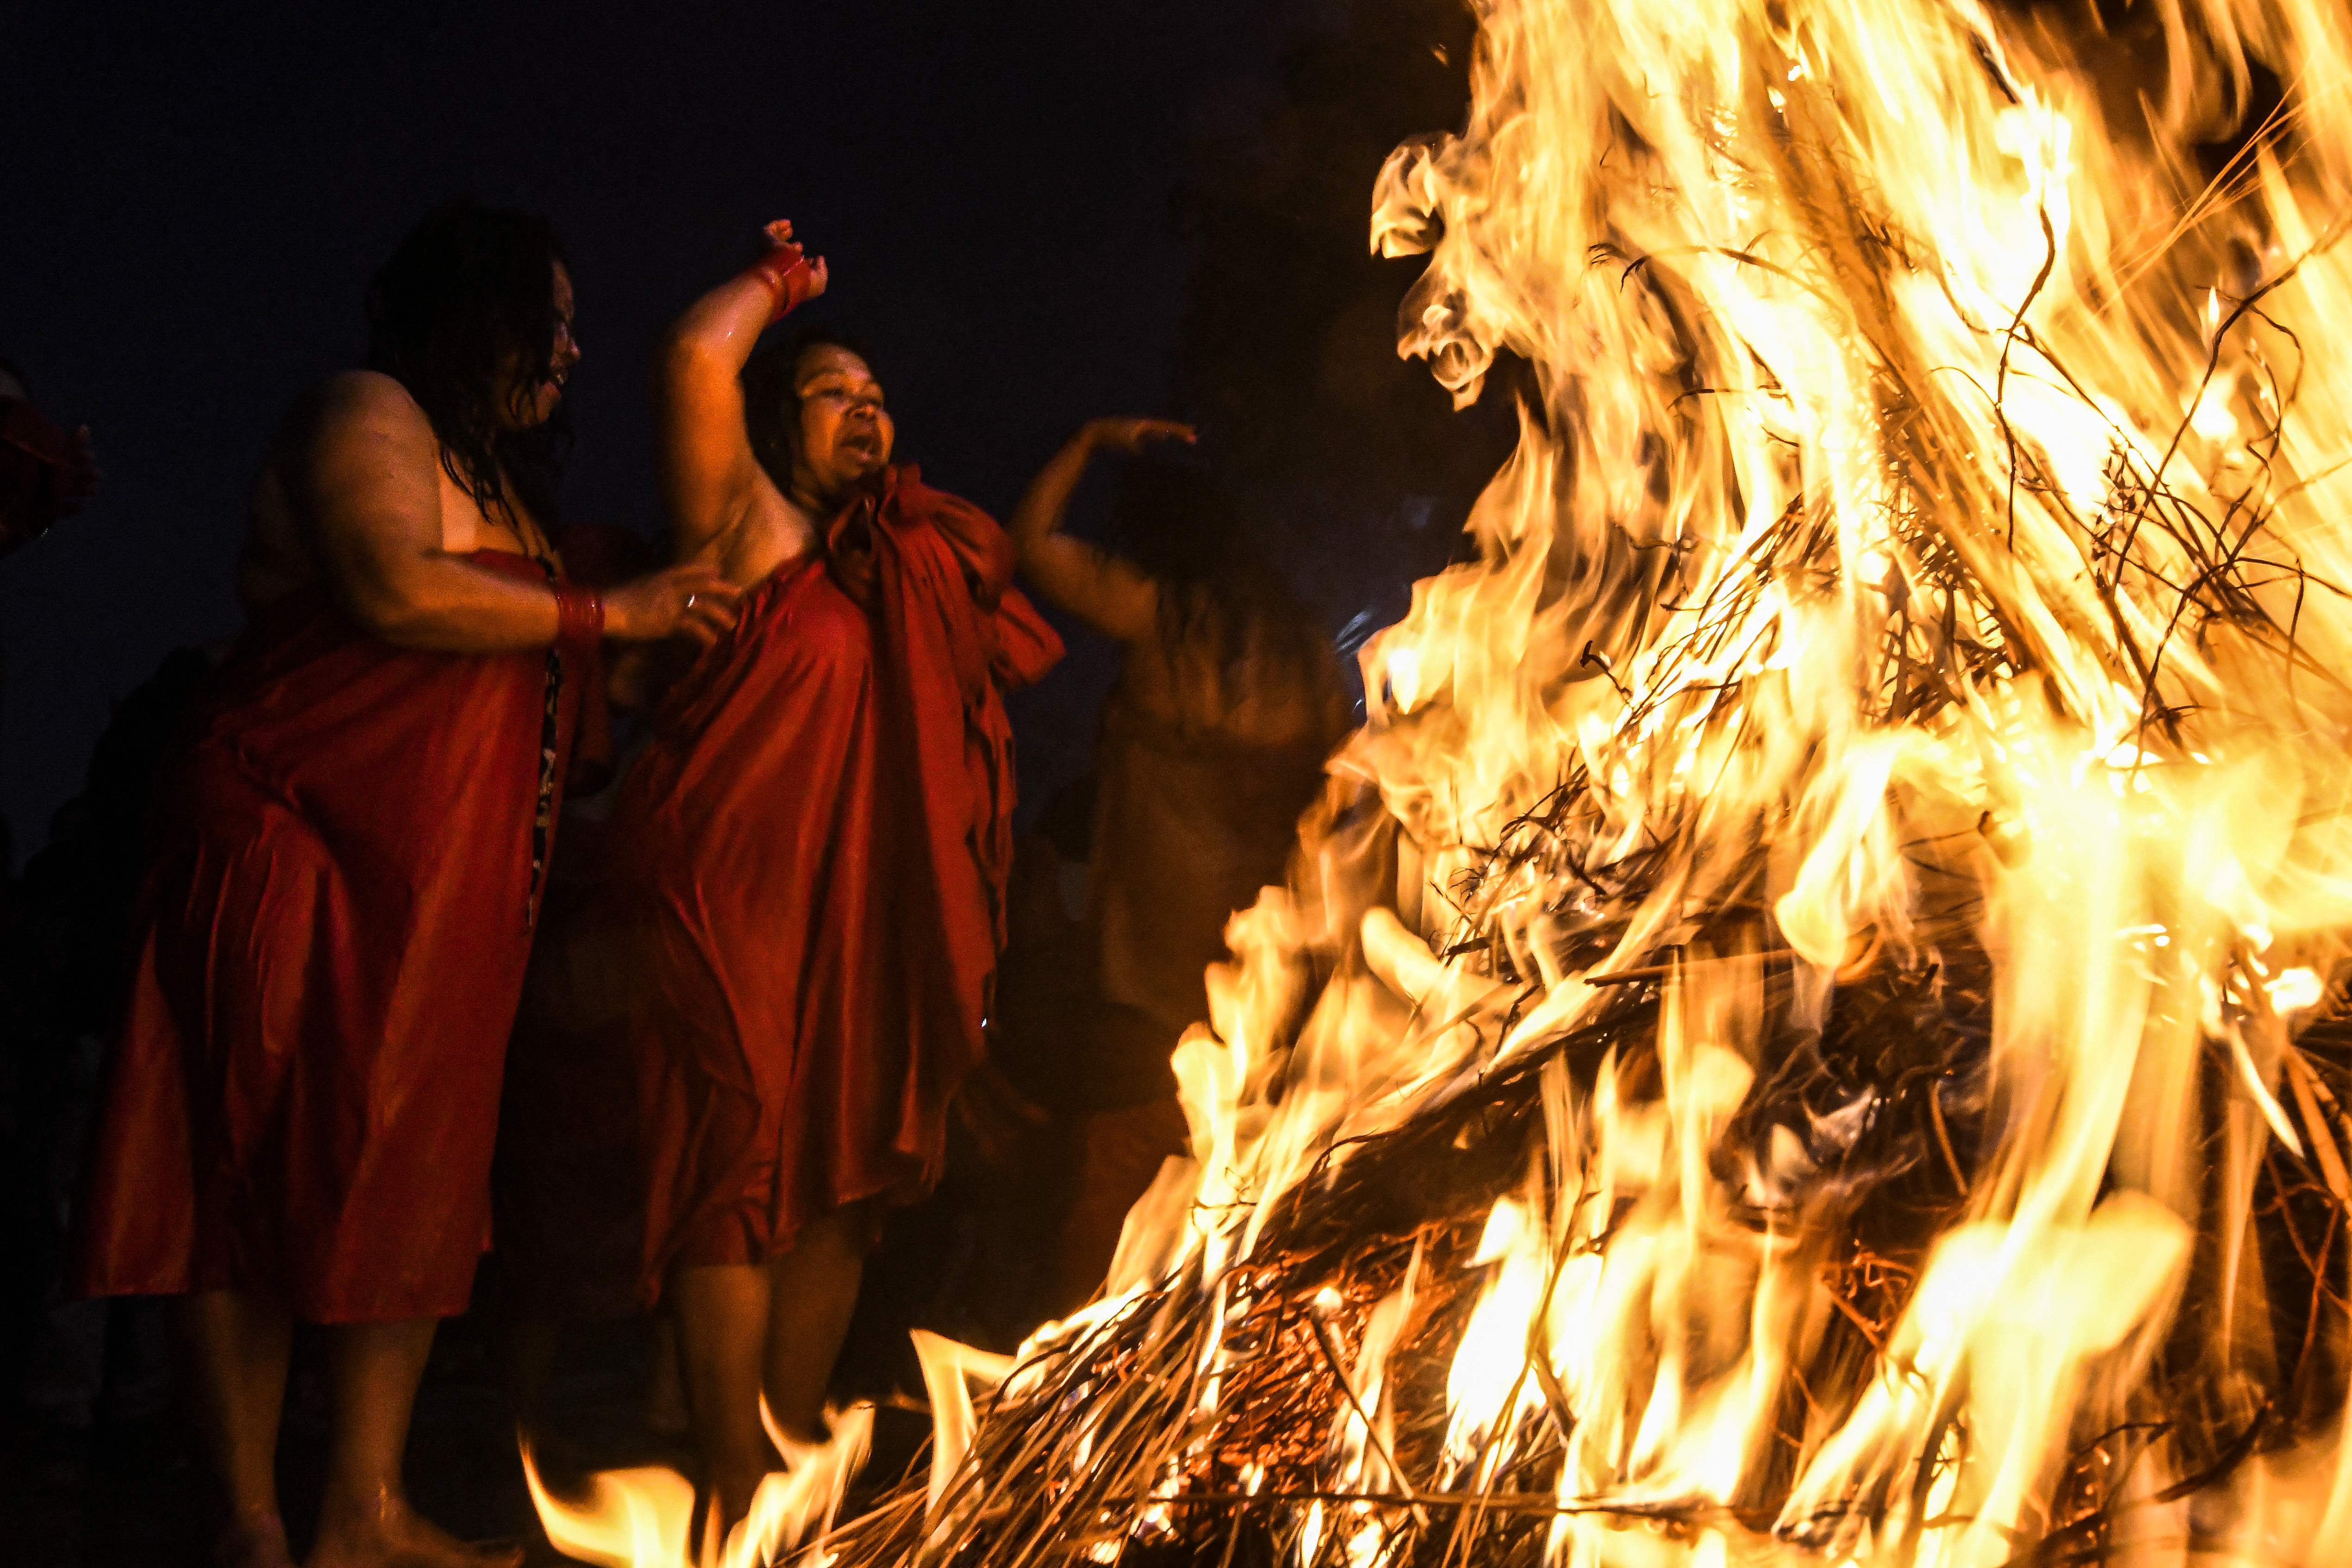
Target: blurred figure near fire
x,y
1227,702
811,854
299,1118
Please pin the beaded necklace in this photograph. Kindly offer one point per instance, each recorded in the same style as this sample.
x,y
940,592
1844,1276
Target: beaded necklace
x,y
550,721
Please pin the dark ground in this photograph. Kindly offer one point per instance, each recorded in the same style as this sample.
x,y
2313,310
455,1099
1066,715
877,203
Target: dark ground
x,y
122,1490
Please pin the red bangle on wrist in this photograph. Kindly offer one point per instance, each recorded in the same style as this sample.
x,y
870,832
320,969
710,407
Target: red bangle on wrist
x,y
784,273
579,615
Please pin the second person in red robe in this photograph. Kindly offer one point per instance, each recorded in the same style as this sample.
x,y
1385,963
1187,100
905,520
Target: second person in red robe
x,y
811,854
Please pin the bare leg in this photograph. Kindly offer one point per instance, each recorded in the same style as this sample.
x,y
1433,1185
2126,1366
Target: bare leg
x,y
1119,1156
722,1318
814,1294
237,1347
364,1520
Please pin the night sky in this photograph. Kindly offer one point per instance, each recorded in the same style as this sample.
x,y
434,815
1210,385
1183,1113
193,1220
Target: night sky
x,y
192,199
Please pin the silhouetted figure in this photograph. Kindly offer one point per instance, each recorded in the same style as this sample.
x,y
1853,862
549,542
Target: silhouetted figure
x,y
1227,702
64,969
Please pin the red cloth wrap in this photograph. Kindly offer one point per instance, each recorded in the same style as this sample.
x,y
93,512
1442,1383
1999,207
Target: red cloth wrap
x,y
812,858
330,946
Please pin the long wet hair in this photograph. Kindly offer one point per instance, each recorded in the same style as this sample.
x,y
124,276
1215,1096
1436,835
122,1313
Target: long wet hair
x,y
468,294
1177,524
771,405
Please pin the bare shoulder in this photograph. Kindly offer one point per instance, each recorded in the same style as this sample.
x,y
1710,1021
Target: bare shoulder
x,y
351,402
367,389
358,457
365,405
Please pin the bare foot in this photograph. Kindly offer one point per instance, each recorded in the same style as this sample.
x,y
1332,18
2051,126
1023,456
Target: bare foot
x,y
253,1541
386,1532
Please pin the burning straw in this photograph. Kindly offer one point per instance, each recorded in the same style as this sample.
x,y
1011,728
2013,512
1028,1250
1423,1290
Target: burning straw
x,y
1803,1029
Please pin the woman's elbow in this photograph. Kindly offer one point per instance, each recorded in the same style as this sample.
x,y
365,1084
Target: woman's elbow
x,y
1036,569
688,361
394,618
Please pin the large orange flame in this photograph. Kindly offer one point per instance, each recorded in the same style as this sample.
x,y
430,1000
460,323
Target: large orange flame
x,y
1921,569
1925,529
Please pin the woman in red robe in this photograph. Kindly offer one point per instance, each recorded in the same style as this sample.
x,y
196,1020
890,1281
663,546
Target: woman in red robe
x,y
812,853
299,1118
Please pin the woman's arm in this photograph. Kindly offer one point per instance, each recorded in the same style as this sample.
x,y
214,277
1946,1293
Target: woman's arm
x,y
1099,589
708,474
367,472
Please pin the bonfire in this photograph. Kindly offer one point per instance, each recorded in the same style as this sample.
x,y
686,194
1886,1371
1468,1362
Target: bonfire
x,y
1805,1030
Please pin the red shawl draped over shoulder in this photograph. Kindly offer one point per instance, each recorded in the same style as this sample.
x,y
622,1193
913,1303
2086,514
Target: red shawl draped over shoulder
x,y
813,855
330,948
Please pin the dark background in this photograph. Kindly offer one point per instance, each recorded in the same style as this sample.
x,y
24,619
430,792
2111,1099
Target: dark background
x,y
1034,212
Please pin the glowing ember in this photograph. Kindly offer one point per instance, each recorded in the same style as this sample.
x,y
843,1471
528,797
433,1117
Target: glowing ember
x,y
1778,1049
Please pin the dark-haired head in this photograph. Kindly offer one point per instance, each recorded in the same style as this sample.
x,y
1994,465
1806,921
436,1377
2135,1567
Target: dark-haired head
x,y
1173,519
473,315
1184,529
815,415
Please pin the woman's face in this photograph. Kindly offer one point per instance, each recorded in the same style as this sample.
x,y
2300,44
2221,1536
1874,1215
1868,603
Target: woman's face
x,y
533,402
846,435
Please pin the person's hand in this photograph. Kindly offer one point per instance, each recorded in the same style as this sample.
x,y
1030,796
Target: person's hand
x,y
800,276
1132,434
691,602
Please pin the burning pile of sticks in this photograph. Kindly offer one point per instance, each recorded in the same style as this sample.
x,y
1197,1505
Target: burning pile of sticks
x,y
1803,1027
1106,1445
